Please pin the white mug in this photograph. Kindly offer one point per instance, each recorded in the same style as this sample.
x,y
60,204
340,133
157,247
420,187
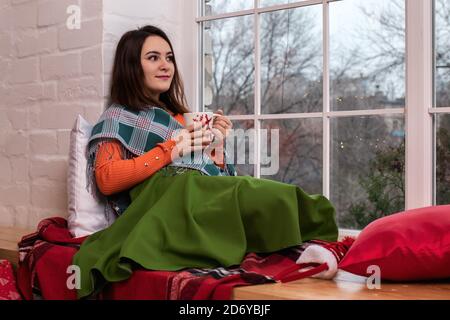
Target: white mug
x,y
205,118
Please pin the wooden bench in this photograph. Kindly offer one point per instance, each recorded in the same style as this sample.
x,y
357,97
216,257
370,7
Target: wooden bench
x,y
9,237
345,286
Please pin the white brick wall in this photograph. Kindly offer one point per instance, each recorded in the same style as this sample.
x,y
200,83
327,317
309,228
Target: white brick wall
x,y
59,66
49,74
53,12
90,34
31,42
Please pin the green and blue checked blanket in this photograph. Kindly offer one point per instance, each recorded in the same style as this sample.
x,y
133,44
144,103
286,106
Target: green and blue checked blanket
x,y
141,131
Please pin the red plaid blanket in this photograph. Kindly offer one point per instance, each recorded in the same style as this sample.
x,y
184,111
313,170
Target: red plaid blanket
x,y
46,255
8,289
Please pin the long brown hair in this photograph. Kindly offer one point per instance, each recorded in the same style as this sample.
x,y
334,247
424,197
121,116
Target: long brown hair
x,y
128,84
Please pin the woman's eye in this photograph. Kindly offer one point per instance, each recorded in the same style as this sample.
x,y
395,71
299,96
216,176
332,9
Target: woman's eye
x,y
154,58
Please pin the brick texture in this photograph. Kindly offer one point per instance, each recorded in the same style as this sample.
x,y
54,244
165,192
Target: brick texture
x,y
49,75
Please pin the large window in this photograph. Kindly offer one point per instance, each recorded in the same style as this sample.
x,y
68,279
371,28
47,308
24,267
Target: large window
x,y
330,76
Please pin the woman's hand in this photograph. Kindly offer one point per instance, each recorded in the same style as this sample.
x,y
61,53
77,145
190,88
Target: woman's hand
x,y
221,126
221,129
192,138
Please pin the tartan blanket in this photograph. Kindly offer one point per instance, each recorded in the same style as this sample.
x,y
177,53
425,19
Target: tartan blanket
x,y
46,254
43,260
8,289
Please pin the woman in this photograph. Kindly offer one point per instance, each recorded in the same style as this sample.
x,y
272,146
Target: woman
x,y
175,213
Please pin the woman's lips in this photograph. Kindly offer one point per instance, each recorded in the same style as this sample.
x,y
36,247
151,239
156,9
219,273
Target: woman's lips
x,y
164,77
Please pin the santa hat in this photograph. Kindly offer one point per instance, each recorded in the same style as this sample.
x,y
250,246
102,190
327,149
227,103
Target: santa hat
x,y
319,260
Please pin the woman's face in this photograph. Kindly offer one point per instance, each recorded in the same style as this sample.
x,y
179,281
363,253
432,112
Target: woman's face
x,y
157,64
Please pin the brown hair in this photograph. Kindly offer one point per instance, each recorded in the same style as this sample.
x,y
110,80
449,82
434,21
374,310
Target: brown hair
x,y
127,83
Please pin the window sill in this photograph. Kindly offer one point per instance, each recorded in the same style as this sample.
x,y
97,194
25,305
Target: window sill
x,y
348,233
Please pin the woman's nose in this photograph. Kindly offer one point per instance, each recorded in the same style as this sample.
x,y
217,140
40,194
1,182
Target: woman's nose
x,y
164,65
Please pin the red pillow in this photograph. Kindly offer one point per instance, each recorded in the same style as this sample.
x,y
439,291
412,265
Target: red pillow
x,y
407,246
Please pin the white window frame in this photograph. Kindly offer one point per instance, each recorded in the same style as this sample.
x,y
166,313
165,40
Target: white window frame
x,y
419,103
418,111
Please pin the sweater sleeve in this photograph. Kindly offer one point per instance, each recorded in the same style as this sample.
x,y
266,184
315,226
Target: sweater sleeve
x,y
113,174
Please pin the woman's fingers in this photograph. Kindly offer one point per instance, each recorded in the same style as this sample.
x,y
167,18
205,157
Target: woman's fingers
x,y
190,128
192,138
199,137
204,134
200,141
221,130
224,122
218,135
197,133
219,121
224,129
196,126
197,148
228,121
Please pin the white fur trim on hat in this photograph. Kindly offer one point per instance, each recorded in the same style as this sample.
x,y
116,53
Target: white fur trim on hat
x,y
318,254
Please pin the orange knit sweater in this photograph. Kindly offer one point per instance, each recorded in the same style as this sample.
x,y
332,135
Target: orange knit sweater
x,y
114,174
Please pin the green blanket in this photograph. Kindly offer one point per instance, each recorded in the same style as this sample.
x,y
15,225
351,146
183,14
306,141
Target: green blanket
x,y
178,221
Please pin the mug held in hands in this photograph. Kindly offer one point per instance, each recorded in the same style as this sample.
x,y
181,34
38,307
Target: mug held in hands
x,y
205,118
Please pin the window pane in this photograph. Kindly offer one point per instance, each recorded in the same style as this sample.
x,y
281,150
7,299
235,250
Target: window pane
x,y
211,7
442,53
229,65
240,151
442,158
300,152
266,3
367,54
291,60
367,168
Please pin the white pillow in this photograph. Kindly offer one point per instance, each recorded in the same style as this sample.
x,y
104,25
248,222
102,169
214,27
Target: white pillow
x,y
86,214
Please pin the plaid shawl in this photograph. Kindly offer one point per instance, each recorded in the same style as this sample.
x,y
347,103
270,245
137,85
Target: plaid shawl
x,y
141,131
46,254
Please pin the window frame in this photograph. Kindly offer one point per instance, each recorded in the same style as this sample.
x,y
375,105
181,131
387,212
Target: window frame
x,y
419,164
